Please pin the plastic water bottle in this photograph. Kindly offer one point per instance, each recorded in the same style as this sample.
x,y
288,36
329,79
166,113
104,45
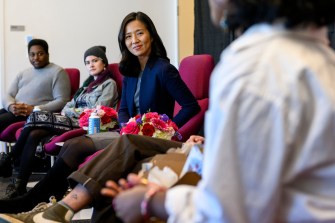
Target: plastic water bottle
x,y
93,123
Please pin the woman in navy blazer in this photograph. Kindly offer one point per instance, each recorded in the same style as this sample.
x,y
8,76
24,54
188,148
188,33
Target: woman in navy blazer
x,y
150,79
161,85
150,83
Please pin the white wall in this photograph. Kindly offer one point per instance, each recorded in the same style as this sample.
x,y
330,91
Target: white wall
x,y
2,83
72,26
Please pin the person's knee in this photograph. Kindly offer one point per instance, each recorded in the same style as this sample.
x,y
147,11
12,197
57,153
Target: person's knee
x,y
130,139
126,137
36,133
74,141
77,144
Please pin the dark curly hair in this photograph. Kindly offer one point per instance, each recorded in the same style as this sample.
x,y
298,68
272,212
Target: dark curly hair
x,y
129,64
39,42
245,13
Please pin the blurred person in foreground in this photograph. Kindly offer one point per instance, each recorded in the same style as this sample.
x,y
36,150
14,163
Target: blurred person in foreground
x,y
269,149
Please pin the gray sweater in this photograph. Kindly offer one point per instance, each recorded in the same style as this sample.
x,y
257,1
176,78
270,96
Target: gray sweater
x,y
48,87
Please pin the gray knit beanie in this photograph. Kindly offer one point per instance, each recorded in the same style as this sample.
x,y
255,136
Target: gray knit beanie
x,y
98,51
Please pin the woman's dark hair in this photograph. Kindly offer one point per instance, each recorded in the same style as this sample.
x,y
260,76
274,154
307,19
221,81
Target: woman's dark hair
x,y
245,13
129,64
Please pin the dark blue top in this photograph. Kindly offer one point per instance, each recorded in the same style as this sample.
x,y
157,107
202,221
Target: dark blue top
x,y
161,86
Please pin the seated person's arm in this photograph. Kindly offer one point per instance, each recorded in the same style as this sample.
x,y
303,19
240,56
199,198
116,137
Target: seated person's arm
x,y
126,197
9,98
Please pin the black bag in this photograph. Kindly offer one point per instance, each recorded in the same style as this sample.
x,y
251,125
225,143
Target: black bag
x,y
49,120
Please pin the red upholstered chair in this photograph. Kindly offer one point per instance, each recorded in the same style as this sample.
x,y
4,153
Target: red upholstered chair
x,y
74,76
114,67
11,133
195,71
51,148
8,135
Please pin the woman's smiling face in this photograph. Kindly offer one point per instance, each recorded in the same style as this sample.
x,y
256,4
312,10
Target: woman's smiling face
x,y
138,39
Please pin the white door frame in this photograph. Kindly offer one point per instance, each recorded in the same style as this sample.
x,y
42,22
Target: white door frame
x,y
2,49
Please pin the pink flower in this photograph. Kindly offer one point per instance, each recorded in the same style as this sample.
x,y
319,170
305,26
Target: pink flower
x,y
151,115
130,128
159,124
110,112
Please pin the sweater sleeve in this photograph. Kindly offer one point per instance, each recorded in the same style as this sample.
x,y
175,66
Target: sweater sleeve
x,y
9,97
61,90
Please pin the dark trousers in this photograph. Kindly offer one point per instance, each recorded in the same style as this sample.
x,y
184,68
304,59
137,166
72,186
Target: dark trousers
x,y
25,147
123,156
7,118
75,150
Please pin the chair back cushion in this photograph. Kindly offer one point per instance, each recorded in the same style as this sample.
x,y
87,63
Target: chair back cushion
x,y
114,67
196,71
74,76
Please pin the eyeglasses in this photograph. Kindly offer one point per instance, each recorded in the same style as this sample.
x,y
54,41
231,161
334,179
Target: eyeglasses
x,y
94,61
38,54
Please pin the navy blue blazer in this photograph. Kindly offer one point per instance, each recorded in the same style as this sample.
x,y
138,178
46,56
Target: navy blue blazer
x,y
161,86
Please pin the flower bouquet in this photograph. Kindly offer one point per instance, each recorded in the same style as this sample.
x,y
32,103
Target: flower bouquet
x,y
108,117
152,124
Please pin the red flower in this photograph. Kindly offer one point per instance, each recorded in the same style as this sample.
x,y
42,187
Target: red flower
x,y
82,114
148,130
130,128
151,115
172,124
83,119
159,124
110,112
105,119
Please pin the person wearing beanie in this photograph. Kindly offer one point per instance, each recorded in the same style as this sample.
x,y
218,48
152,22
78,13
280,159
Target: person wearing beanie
x,y
98,51
98,89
